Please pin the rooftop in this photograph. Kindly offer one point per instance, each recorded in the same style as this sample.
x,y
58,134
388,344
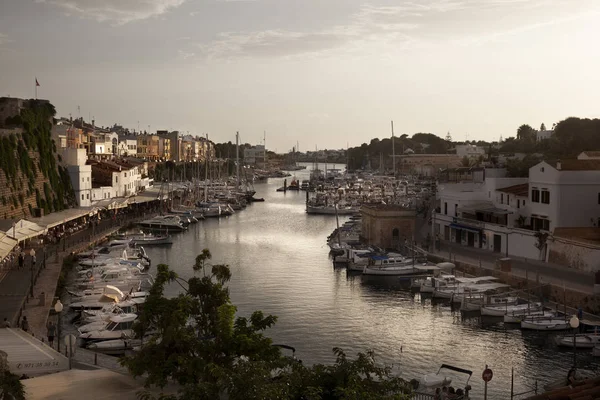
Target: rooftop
x,y
592,153
517,190
578,165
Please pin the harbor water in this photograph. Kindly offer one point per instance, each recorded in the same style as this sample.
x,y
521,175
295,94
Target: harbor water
x,y
281,265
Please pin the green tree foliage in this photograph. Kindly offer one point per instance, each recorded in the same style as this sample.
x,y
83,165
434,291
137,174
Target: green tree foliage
x,y
200,345
11,387
520,168
574,135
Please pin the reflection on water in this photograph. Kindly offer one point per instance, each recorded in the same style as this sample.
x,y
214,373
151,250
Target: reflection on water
x,y
280,264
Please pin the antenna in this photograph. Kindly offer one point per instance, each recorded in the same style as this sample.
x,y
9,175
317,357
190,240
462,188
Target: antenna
x,y
393,151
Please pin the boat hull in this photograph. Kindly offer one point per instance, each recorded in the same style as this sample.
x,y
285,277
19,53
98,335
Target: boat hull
x,y
545,325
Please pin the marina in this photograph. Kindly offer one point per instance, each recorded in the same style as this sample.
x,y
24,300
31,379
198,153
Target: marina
x,y
281,264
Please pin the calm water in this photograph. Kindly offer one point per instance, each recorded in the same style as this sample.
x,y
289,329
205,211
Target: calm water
x,y
280,264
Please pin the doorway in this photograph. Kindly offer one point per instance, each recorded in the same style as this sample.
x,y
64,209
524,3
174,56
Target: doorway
x,y
497,243
471,239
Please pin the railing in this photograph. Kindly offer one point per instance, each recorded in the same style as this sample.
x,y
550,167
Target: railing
x,y
423,396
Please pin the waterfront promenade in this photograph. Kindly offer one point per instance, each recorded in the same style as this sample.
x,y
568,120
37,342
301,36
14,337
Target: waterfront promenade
x,y
18,299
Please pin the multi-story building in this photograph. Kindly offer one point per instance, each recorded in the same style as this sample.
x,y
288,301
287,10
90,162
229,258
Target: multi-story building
x,y
164,148
174,144
124,177
103,145
543,135
564,195
127,146
147,147
255,155
80,174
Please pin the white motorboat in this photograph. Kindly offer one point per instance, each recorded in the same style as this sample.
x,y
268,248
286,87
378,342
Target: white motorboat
x,y
399,270
462,285
111,295
506,308
545,323
430,381
165,223
118,326
582,341
122,307
109,272
151,240
438,282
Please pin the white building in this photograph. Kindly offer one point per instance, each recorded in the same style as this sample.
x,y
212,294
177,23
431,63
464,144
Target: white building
x,y
543,135
80,174
485,215
104,145
127,146
469,151
124,178
255,155
564,195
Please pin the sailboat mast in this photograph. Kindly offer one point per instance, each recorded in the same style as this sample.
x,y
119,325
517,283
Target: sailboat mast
x,y
237,160
265,149
393,151
206,170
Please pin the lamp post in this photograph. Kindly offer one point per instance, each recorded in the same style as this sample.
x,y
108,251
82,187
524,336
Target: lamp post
x,y
32,254
574,322
58,307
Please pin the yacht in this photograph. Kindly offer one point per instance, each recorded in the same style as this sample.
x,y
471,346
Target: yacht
x,y
115,347
499,310
117,326
582,341
515,317
123,307
165,223
387,266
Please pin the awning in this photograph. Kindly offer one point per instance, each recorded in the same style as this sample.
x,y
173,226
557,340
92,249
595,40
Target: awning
x,y
60,217
6,245
466,228
23,230
29,356
488,208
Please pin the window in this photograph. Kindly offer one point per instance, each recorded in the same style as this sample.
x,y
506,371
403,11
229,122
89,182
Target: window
x,y
501,198
598,198
82,196
545,197
523,203
518,201
88,179
535,195
456,210
125,174
82,179
116,179
87,196
508,199
445,208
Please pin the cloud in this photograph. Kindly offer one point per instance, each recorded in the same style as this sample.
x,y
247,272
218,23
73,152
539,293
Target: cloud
x,y
119,11
185,55
369,24
4,39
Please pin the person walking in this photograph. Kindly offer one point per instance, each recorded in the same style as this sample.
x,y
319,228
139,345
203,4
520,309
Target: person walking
x,y
25,324
21,260
51,331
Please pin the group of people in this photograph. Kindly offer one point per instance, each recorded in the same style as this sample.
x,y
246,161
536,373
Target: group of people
x,y
448,393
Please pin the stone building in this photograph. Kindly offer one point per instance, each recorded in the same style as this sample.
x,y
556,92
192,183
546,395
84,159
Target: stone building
x,y
387,226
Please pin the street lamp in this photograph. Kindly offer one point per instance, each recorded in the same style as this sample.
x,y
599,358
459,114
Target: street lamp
x,y
574,322
58,307
32,254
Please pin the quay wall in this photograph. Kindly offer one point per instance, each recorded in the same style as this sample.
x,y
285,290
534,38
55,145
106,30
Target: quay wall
x,y
557,296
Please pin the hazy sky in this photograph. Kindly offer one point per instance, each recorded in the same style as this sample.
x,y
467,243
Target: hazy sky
x,y
324,73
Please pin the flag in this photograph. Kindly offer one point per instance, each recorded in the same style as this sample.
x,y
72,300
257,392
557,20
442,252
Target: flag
x,y
36,82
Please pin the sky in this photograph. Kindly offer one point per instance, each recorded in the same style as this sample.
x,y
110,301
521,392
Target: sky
x,y
320,73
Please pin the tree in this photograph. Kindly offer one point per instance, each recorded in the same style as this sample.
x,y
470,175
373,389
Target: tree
x,y
520,168
465,162
10,386
210,354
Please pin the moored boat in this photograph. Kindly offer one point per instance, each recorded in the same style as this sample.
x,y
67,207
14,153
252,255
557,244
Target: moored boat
x,y
545,324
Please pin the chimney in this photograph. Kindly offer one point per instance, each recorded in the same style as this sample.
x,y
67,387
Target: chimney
x,y
558,165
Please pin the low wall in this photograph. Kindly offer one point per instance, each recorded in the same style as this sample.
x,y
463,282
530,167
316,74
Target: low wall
x,y
576,256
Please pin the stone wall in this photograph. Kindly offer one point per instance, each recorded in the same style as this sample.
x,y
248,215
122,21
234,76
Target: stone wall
x,y
11,206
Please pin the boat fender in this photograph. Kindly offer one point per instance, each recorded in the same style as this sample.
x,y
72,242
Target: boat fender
x,y
88,274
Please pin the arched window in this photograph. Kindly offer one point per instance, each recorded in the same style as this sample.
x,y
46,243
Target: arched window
x,y
396,234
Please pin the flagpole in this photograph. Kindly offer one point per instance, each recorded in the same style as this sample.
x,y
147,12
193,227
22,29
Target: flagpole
x,y
36,85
